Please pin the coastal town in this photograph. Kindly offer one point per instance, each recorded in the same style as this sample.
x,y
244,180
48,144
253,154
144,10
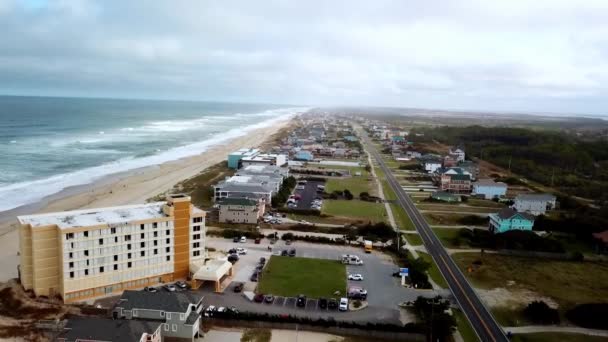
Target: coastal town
x,y
338,224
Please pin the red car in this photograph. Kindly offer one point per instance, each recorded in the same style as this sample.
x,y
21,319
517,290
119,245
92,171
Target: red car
x,y
258,298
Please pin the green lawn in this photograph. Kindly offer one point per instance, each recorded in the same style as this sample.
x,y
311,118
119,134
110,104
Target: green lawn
x,y
567,282
413,239
434,271
457,209
355,184
449,237
401,217
367,211
464,327
292,276
475,202
553,336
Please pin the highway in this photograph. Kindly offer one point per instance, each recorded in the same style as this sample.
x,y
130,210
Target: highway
x,y
481,319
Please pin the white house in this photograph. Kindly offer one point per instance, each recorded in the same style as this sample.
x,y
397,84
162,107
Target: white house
x,y
489,188
535,204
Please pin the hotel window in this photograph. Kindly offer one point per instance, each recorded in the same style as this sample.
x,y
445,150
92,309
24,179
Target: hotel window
x,y
69,236
115,267
101,241
168,249
197,219
168,240
168,232
196,245
86,271
142,244
72,274
86,252
196,253
86,233
113,230
155,225
155,243
101,269
129,247
71,255
116,258
155,234
196,228
142,253
196,236
116,239
129,264
71,264
142,235
128,255
87,262
168,258
141,226
127,237
155,251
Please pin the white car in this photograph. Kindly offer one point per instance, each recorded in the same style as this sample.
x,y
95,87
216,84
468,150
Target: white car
x,y
343,304
300,187
241,251
355,276
243,239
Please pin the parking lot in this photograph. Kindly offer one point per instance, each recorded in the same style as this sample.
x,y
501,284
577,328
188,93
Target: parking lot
x,y
384,291
308,194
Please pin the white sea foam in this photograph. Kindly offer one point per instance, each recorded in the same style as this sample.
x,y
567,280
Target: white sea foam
x,y
22,193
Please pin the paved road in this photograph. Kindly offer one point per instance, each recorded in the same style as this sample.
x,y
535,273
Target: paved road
x,y
481,319
308,194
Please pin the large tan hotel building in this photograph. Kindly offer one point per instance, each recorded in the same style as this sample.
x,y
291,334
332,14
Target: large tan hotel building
x,y
92,252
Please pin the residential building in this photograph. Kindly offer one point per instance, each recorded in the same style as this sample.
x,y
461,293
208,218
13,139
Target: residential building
x,y
179,312
431,164
241,210
264,159
94,329
455,180
535,204
489,189
303,156
243,190
445,196
254,182
470,167
272,171
458,152
87,253
508,219
450,161
234,158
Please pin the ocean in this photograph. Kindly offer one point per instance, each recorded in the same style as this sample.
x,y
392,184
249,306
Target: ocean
x,y
48,144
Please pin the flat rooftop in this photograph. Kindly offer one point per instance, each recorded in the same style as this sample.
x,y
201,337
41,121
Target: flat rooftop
x,y
96,216
245,152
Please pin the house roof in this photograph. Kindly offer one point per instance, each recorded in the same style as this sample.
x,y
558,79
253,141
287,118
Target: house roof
x,y
508,213
244,187
237,201
162,301
104,329
458,176
490,182
535,197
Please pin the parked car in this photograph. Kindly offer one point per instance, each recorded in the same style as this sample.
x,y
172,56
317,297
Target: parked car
x,y
235,239
332,304
241,251
269,298
355,276
239,287
300,187
259,268
233,258
233,310
257,241
301,301
254,277
210,311
232,251
169,287
343,304
150,289
292,252
243,239
323,303
182,285
288,242
222,310
262,260
284,252
258,298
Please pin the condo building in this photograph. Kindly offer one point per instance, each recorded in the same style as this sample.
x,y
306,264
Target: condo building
x,y
92,252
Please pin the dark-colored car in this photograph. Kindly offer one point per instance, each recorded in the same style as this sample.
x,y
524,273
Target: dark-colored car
x,y
232,251
269,298
332,304
150,289
258,298
288,242
262,260
254,277
236,239
239,287
292,252
259,268
323,303
301,301
257,241
284,252
233,258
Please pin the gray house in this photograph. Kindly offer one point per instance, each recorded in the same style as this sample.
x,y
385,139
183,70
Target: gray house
x,y
93,329
535,204
180,312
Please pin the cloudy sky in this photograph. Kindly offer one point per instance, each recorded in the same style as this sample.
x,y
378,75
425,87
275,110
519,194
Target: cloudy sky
x,y
530,56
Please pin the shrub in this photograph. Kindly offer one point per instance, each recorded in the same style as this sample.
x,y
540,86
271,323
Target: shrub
x,y
287,236
357,304
347,194
591,315
540,313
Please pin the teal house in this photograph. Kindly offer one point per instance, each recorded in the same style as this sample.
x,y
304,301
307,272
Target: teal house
x,y
508,219
234,158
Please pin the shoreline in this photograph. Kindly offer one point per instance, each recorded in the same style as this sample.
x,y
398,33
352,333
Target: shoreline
x,y
128,187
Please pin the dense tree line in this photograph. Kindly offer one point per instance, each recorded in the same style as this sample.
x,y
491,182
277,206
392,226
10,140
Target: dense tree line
x,y
286,188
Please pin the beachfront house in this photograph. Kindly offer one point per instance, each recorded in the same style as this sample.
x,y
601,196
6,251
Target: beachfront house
x,y
431,164
179,312
303,156
489,189
93,329
234,158
535,204
240,210
458,153
508,219
454,179
264,159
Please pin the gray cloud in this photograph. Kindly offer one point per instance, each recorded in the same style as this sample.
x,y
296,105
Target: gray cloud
x,y
483,55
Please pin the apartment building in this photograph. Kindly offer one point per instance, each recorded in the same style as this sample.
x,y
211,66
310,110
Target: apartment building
x,y
87,253
241,210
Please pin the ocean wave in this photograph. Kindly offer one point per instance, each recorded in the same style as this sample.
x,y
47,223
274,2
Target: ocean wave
x,y
22,193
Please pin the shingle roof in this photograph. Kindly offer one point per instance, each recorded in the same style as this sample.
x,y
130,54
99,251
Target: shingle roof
x,y
507,213
163,301
192,317
104,329
490,182
535,197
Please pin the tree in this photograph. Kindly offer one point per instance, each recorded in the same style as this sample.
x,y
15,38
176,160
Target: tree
x,y
540,313
347,194
287,236
368,168
364,196
432,312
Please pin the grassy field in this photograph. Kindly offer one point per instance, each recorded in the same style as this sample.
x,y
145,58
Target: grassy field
x,y
352,169
413,239
401,218
464,327
355,184
474,202
553,336
287,276
367,211
447,237
434,271
458,209
567,282
446,219
319,219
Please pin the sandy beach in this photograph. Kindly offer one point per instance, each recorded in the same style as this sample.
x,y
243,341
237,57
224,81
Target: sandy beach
x,y
131,187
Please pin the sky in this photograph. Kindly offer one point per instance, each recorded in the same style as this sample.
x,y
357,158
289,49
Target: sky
x,y
540,56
